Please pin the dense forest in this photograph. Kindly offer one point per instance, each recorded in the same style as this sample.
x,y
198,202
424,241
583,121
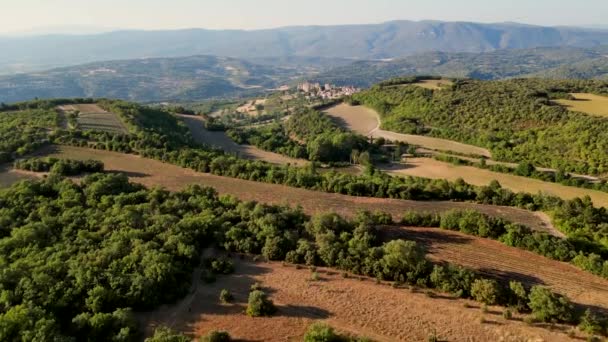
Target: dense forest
x,y
69,277
517,120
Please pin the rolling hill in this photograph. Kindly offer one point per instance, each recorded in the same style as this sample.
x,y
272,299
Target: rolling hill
x,y
155,79
375,41
555,63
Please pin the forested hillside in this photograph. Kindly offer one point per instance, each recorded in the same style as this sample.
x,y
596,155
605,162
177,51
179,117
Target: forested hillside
x,y
155,79
517,120
556,63
391,39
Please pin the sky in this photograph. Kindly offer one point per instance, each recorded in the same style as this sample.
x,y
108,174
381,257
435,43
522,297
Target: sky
x,y
81,16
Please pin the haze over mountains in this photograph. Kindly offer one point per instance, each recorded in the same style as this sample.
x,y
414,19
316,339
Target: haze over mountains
x,y
374,41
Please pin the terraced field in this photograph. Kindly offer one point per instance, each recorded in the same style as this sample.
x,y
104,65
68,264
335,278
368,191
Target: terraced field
x,y
353,305
222,141
431,168
155,173
93,117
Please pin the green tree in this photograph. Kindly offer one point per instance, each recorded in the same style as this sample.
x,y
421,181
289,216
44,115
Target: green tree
x,y
485,291
259,305
547,306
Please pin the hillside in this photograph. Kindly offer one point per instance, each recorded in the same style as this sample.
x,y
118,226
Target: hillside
x,y
517,120
557,63
155,79
375,41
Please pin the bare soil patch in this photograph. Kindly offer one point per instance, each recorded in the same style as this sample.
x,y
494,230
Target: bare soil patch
x,y
93,117
357,307
431,168
155,173
221,140
366,121
587,103
9,176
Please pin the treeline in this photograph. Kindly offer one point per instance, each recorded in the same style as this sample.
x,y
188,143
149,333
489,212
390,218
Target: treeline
x,y
517,120
67,276
270,138
64,167
25,131
514,235
526,169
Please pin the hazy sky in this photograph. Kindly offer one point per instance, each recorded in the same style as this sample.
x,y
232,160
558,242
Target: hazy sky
x,y
25,15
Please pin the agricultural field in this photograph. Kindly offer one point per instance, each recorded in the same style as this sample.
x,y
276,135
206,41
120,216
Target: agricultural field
x,y
433,84
221,140
587,103
250,107
431,168
93,117
356,306
366,121
155,173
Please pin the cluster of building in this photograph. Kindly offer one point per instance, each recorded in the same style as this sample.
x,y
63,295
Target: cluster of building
x,y
327,91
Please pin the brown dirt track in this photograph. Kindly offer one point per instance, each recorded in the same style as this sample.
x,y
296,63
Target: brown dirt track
x,y
366,121
353,306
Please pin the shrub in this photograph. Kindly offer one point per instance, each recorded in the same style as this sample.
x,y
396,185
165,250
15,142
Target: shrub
x,y
226,296
485,291
591,323
216,336
314,276
222,266
256,287
259,305
319,332
549,307
507,314
165,334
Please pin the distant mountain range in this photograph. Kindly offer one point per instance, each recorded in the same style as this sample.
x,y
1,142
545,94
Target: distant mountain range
x,y
379,41
557,63
204,77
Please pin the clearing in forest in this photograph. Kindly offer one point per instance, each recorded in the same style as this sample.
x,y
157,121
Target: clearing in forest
x,y
220,140
353,305
435,169
587,103
155,173
433,84
366,121
93,117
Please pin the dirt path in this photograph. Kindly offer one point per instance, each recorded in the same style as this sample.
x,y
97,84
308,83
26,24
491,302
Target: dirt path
x,y
222,141
358,307
366,121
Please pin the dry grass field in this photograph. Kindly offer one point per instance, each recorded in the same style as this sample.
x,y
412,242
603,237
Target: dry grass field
x,y
366,121
431,168
155,173
222,141
433,84
356,306
587,103
93,117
